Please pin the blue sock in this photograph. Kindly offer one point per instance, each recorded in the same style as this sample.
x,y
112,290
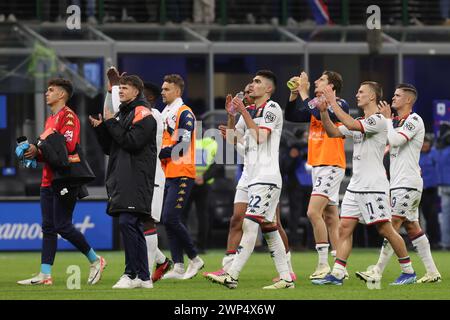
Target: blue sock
x,y
46,268
92,256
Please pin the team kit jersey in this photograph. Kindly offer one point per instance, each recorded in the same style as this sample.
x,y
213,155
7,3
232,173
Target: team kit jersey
x,y
160,179
366,198
406,182
263,177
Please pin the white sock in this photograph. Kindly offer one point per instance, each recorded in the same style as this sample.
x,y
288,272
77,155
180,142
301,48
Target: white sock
x,y
152,245
406,265
288,255
278,253
385,255
227,261
322,250
333,253
159,256
339,270
422,246
245,248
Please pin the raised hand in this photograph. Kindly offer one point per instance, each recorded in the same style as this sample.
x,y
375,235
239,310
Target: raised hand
x,y
385,109
304,83
238,104
96,122
329,94
228,103
114,76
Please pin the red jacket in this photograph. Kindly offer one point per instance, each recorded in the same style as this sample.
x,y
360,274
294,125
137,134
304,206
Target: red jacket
x,y
67,123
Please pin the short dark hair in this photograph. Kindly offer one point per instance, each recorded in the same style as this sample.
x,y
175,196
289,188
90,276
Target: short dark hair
x,y
376,88
153,88
408,87
268,75
335,79
65,84
176,79
134,81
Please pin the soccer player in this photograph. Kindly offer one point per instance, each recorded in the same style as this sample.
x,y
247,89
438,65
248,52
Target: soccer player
x,y
366,198
327,157
241,195
129,138
406,133
261,144
178,162
57,208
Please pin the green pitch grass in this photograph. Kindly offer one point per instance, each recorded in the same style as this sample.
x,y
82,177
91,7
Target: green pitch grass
x,y
258,272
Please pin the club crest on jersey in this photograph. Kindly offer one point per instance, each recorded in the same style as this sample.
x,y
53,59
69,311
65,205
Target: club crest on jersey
x,y
371,121
270,117
409,126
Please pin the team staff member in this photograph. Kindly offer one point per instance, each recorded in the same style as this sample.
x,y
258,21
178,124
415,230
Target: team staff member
x,y
178,161
57,207
129,138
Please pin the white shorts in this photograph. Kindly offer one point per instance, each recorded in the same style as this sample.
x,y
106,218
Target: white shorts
x,y
241,195
405,203
157,202
326,182
367,208
262,202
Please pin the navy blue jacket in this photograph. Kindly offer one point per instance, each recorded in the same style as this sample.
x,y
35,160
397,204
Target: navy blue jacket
x,y
428,167
443,166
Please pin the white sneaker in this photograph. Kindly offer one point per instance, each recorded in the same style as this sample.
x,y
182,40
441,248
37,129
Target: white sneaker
x,y
195,265
96,270
321,271
144,284
174,274
40,279
282,284
224,279
430,278
125,282
372,274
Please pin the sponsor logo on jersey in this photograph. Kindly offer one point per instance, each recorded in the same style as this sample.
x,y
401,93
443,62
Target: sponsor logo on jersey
x,y
70,116
270,117
68,135
69,123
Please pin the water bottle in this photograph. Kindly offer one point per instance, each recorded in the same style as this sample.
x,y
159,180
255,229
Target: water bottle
x,y
21,141
233,109
316,102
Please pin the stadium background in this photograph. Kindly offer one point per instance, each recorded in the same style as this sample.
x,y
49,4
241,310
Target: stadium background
x,y
154,38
